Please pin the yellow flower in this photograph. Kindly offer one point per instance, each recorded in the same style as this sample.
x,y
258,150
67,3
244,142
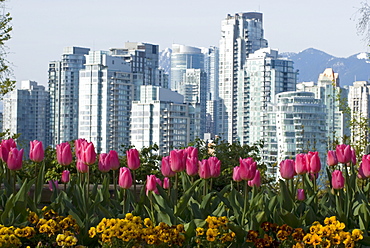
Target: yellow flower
x,y
92,232
33,218
335,239
129,216
45,229
315,239
212,234
298,245
330,221
70,241
315,229
326,243
100,227
308,239
325,231
357,235
200,231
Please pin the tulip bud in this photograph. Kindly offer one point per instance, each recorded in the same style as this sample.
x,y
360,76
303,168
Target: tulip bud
x,y
166,167
82,167
360,173
125,178
236,174
256,181
192,166
79,146
337,179
204,170
133,159
104,162
5,148
301,164
65,176
88,153
64,154
114,160
300,195
166,183
178,160
36,151
247,168
287,169
191,152
365,165
215,166
313,162
331,159
52,184
151,182
344,153
15,159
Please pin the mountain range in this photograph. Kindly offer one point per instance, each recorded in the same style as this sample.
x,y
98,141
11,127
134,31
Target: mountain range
x,y
311,62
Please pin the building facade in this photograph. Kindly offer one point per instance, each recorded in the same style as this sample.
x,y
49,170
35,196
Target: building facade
x,y
26,113
160,117
63,89
241,35
105,96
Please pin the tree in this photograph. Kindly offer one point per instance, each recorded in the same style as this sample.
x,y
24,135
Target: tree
x,y
363,25
6,84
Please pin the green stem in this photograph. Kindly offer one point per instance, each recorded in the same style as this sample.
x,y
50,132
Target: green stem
x,y
134,181
14,182
176,190
124,200
245,202
115,183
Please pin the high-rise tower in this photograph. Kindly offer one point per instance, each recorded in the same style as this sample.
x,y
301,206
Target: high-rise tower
x,y
241,35
63,90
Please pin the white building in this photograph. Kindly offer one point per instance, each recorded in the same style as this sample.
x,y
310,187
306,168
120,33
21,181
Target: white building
x,y
160,117
63,89
359,104
105,96
266,76
328,90
26,113
241,35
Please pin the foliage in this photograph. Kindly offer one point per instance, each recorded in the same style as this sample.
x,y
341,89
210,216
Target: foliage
x,y
363,25
6,84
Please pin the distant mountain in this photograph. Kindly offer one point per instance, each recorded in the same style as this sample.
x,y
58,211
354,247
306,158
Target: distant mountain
x,y
311,62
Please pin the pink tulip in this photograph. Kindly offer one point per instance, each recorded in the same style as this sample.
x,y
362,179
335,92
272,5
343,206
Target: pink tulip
x,y
204,170
344,153
88,154
125,178
256,181
5,147
151,182
166,167
247,168
313,162
236,174
215,166
300,195
64,154
114,160
65,176
36,151
360,173
166,183
133,159
192,152
287,169
192,166
178,160
337,179
14,161
331,159
301,164
365,165
52,184
82,167
353,156
79,147
104,162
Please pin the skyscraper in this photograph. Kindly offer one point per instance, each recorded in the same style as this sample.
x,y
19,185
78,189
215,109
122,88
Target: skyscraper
x,y
241,35
182,58
160,117
26,113
63,90
105,96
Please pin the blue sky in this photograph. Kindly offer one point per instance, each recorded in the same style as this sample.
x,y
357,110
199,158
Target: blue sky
x,y
43,27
